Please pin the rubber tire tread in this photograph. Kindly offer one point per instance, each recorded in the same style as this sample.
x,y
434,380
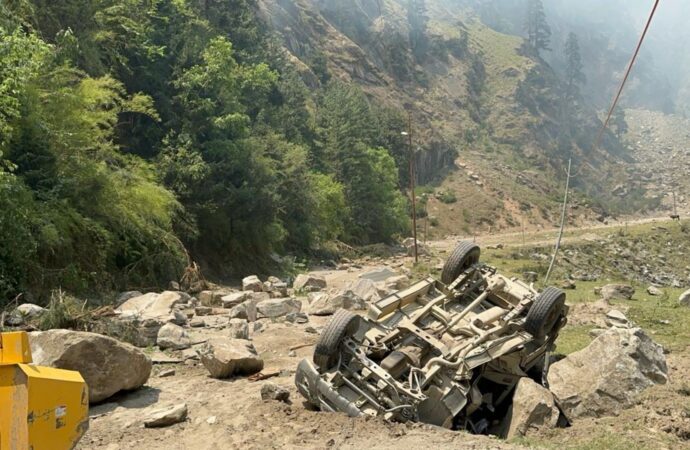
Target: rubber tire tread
x,y
458,261
326,350
535,322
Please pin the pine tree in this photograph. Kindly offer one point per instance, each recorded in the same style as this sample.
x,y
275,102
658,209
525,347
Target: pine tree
x,y
538,30
418,20
573,69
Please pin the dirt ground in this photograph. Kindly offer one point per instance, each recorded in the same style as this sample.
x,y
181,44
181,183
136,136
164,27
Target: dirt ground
x,y
226,414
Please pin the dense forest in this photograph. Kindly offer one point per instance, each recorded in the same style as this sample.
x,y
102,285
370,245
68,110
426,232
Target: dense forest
x,y
137,136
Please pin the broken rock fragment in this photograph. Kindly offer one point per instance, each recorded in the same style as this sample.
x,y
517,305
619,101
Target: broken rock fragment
x,y
252,283
224,357
533,408
309,282
166,416
174,337
271,391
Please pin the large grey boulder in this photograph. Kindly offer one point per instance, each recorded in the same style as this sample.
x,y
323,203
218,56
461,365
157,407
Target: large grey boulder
x,y
326,304
608,374
533,408
149,312
278,307
617,292
107,365
684,298
174,337
225,357
309,282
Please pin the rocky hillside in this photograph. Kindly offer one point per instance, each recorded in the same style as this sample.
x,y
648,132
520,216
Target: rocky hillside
x,y
658,143
485,112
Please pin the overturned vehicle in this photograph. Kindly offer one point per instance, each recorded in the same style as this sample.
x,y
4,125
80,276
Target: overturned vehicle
x,y
447,353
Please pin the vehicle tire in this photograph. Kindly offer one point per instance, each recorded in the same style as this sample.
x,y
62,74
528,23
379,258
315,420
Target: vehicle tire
x,y
545,311
465,254
343,324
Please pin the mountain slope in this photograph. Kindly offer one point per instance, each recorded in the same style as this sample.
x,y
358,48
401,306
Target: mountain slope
x,y
485,112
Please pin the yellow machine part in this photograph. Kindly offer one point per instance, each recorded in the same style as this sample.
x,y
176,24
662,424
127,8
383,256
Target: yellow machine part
x,y
41,408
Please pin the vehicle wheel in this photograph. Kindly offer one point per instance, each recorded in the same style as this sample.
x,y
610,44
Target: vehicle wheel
x,y
343,324
465,254
545,311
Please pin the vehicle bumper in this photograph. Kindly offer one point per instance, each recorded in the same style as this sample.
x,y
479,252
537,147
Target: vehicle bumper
x,y
320,392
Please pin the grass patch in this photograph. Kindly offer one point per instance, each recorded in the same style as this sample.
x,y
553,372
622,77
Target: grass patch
x,y
572,339
595,441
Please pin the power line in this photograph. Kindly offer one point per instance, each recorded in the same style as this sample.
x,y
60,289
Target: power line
x,y
625,78
598,140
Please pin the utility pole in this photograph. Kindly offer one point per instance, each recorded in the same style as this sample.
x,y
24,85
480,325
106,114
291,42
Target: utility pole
x,y
412,194
560,232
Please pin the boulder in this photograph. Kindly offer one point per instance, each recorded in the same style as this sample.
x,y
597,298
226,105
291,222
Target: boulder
x,y
309,282
568,284
533,407
325,304
684,298
238,328
174,337
212,297
409,247
166,416
246,310
379,274
615,318
654,291
397,282
276,287
203,311
278,307
124,296
197,322
271,391
149,312
257,297
297,317
234,299
252,283
107,365
152,305
22,313
365,289
224,357
608,374
617,292
530,277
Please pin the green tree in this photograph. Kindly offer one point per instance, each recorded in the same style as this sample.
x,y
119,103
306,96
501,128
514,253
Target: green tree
x,y
574,76
538,30
418,21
